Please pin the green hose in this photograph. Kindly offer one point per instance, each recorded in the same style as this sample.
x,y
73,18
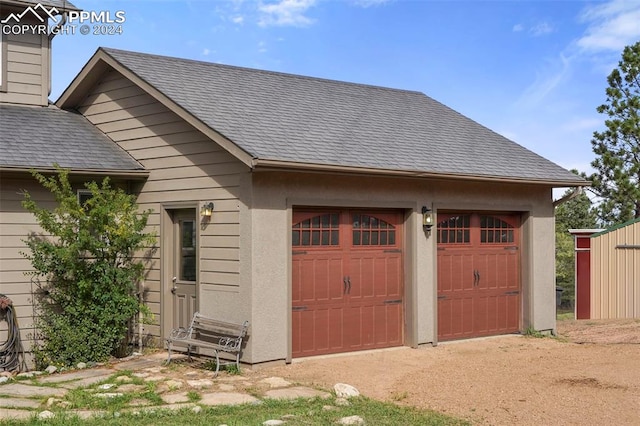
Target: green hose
x,y
11,351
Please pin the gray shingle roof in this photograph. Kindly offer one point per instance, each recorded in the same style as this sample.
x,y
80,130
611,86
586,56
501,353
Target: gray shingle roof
x,y
40,136
276,116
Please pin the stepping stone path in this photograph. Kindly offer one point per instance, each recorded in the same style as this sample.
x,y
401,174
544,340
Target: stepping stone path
x,y
35,393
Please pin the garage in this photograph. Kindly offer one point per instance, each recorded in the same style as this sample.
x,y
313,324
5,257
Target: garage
x,y
479,289
347,281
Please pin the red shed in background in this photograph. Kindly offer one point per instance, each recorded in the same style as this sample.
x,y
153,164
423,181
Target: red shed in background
x,y
582,246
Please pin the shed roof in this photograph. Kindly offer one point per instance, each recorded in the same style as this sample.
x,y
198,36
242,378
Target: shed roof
x,y
616,227
301,120
37,137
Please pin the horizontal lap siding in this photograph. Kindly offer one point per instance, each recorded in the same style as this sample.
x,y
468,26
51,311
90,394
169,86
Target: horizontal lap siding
x,y
15,226
27,70
184,166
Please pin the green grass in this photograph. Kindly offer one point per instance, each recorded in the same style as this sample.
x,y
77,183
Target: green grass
x,y
298,412
564,314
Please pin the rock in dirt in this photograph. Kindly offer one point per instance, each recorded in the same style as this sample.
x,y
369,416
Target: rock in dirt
x,y
344,390
351,420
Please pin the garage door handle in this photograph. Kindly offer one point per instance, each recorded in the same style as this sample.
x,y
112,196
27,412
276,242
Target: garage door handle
x,y
344,290
348,284
476,277
478,280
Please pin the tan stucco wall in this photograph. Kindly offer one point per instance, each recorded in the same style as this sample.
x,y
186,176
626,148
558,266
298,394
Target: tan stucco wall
x,y
275,193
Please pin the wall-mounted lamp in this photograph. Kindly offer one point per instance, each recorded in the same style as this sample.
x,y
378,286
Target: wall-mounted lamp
x,y
206,210
427,219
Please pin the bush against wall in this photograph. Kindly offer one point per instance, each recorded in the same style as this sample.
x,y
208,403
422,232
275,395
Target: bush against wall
x,y
86,270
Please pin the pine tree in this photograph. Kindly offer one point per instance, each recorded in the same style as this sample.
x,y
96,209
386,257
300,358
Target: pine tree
x,y
617,177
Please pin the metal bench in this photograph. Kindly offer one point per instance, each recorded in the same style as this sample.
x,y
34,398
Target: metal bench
x,y
212,334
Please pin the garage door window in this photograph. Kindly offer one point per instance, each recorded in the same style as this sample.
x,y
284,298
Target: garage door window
x,y
319,230
494,230
371,231
454,230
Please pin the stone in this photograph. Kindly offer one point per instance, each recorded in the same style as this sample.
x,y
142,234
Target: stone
x,y
82,383
52,401
295,392
191,374
329,408
81,365
106,386
155,378
18,403
22,390
46,415
124,379
227,398
141,375
175,398
351,420
344,390
174,384
4,379
273,422
199,384
108,395
131,388
6,374
342,402
276,382
101,374
6,414
196,409
225,387
27,375
51,369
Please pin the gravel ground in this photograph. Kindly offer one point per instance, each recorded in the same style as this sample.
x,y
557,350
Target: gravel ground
x,y
590,375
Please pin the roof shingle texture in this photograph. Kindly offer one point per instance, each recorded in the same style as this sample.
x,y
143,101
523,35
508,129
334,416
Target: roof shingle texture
x,y
285,117
32,136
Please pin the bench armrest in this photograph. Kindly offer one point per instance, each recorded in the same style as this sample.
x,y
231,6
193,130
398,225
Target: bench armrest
x,y
180,333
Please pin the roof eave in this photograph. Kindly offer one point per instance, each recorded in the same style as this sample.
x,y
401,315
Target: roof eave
x,y
101,61
132,174
269,164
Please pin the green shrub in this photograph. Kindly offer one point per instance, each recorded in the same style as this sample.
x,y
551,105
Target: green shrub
x,y
85,269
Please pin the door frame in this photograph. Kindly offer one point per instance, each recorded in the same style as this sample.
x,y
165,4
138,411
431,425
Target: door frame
x,y
167,259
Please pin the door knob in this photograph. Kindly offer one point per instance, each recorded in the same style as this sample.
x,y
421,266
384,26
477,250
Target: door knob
x,y
174,288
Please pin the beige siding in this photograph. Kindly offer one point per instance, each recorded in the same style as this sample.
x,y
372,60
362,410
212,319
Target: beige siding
x,y
615,273
184,166
15,226
27,65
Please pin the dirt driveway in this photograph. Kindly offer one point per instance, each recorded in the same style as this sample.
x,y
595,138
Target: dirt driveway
x,y
590,376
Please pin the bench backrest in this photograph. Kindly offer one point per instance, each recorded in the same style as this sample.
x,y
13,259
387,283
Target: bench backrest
x,y
219,332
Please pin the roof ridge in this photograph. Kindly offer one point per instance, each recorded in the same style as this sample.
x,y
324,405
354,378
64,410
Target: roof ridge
x,y
270,72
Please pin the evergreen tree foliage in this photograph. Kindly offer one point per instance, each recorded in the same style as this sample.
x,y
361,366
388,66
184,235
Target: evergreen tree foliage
x,y
617,177
577,213
86,270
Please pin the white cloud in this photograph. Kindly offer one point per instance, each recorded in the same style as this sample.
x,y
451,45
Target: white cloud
x,y
517,28
262,47
541,29
238,19
546,82
286,13
612,26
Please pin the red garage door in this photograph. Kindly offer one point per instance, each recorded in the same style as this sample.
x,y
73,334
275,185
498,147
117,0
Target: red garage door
x,y
478,274
347,281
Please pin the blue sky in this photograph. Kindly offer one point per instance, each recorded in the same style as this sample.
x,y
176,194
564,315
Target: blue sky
x,y
534,71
